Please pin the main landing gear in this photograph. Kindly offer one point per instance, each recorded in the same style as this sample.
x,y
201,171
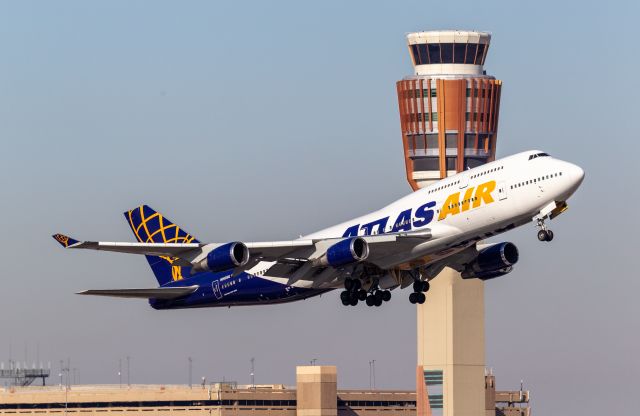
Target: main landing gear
x,y
354,293
377,296
420,287
544,234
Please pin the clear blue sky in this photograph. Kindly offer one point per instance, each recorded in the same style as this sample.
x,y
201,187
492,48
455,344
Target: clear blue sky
x,y
266,120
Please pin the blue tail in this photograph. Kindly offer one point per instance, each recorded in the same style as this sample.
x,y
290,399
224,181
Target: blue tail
x,y
150,226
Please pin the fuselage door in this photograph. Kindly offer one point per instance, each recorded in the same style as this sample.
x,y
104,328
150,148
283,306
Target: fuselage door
x,y
464,180
502,191
216,289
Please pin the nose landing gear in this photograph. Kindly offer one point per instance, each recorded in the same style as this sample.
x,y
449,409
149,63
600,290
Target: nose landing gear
x,y
544,234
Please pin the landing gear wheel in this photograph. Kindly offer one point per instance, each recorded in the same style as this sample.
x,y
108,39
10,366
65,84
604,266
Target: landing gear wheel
x,y
362,294
421,286
348,284
353,301
543,235
549,235
344,296
370,300
345,302
378,296
378,301
386,295
421,298
413,298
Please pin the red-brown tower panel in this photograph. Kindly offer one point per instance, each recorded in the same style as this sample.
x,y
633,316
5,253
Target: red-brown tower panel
x,y
449,107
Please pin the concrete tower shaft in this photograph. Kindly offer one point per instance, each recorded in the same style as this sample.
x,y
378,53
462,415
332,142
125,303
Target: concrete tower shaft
x,y
449,108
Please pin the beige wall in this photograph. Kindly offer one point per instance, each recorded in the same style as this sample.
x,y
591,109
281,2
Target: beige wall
x,y
317,390
451,339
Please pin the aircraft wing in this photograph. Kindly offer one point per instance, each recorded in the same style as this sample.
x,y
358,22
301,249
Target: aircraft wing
x,y
381,247
149,249
155,293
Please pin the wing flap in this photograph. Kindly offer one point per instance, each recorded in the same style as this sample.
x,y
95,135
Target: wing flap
x,y
155,293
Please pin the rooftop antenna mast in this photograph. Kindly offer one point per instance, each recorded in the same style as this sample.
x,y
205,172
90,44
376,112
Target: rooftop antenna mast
x,y
253,380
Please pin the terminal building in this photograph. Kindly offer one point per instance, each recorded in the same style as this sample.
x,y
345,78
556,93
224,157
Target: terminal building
x,y
316,394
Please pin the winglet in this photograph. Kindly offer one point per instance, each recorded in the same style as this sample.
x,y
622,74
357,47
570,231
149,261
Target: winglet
x,y
64,240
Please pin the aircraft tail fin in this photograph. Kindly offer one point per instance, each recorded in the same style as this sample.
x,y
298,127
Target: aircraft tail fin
x,y
149,226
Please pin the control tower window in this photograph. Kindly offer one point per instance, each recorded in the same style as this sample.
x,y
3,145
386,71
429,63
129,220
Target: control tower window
x,y
420,54
414,53
434,53
432,141
480,54
446,51
426,163
459,52
471,53
424,54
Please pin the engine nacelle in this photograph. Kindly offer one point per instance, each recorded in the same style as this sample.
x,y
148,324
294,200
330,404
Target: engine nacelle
x,y
493,274
226,257
493,261
350,250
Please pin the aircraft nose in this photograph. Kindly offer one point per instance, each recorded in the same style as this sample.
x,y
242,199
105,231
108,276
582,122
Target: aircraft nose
x,y
577,173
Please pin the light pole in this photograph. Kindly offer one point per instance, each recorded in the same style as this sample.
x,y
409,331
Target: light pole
x,y
313,361
373,362
253,380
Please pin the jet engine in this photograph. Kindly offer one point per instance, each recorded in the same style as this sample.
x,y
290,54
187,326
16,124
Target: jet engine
x,y
225,257
350,250
492,261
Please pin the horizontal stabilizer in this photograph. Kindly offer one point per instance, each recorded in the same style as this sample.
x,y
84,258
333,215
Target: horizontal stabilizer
x,y
65,241
155,293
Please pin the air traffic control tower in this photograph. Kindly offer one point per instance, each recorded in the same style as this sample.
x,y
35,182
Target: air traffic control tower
x,y
449,108
449,119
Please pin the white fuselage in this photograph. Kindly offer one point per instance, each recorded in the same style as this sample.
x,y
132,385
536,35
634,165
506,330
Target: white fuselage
x,y
467,207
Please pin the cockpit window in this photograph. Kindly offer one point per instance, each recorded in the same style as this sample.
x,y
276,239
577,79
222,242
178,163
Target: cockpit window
x,y
538,155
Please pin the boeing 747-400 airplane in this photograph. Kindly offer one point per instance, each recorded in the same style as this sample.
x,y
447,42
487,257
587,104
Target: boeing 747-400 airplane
x,y
406,243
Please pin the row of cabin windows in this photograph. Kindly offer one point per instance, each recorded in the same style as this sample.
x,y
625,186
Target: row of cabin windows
x,y
461,203
487,171
536,180
444,186
229,284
